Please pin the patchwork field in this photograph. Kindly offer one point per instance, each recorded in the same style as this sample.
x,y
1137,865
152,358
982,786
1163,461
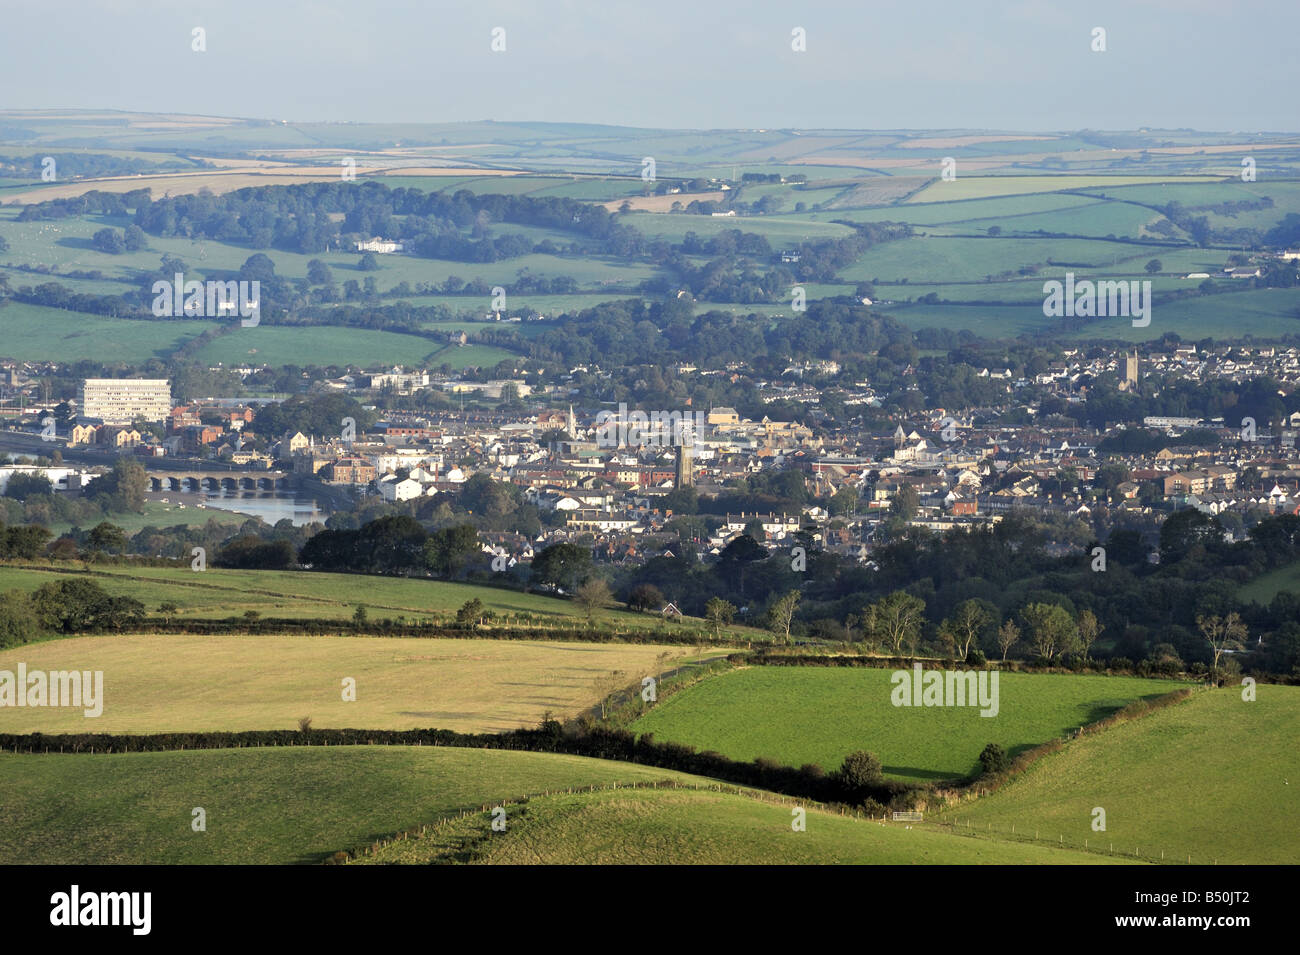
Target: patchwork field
x,y
699,827
1043,225
1209,777
264,806
159,683
798,715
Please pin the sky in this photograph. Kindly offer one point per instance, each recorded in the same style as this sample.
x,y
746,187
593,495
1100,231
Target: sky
x,y
705,64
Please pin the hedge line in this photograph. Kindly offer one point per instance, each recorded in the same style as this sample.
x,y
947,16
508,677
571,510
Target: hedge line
x,y
764,657
599,742
317,626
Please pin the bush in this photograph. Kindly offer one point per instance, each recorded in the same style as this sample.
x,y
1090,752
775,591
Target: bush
x,y
860,771
976,657
994,759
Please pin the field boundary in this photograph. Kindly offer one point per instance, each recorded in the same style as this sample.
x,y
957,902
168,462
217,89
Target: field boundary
x,y
984,785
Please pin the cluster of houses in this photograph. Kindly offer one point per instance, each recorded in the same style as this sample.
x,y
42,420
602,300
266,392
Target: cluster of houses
x,y
952,470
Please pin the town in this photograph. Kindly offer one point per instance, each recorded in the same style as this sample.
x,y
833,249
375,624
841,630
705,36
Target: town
x,y
849,486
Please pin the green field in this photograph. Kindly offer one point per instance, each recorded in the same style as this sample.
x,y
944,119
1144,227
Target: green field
x,y
1264,588
37,333
698,827
799,715
1261,312
157,683
953,259
1210,777
219,592
264,806
983,187
158,514
337,345
780,230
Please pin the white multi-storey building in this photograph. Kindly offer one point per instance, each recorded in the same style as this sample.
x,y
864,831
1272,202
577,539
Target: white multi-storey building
x,y
124,400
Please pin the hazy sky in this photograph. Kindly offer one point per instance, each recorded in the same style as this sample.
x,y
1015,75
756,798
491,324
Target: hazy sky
x,y
1210,64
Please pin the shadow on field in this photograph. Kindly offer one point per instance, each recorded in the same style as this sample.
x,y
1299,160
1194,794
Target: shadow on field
x,y
917,773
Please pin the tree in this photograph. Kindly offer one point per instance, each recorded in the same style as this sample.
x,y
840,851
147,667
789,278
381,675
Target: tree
x,y
843,502
645,597
75,605
24,541
905,503
1185,531
369,262
859,772
963,628
735,557
1223,633
359,618
781,613
682,500
22,486
1153,267
18,623
592,595
108,240
561,566
318,273
134,239
470,613
167,608
107,537
1088,628
1050,629
895,620
993,759
258,267
720,613
446,551
123,488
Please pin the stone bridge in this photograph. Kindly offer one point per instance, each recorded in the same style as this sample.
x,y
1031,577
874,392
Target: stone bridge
x,y
219,480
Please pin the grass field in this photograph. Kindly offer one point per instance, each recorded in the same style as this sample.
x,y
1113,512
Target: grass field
x,y
983,187
158,514
958,259
160,683
338,345
799,715
699,827
778,229
1261,312
1210,777
268,806
219,592
1264,588
37,333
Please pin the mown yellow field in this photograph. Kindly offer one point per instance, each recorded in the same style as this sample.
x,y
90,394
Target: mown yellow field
x,y
163,683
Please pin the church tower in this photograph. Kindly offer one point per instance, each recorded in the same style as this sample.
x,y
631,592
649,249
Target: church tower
x,y
1130,372
685,475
